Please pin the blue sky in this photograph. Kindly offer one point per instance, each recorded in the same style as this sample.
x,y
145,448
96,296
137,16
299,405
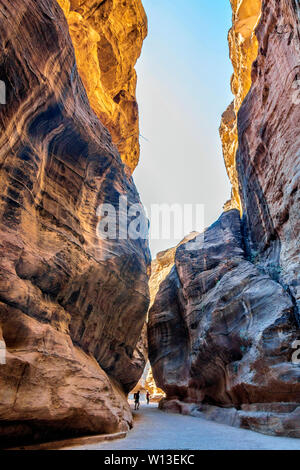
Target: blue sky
x,y
183,88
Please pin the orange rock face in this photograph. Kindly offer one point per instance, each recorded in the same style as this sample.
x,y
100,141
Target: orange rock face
x,y
72,305
243,48
156,393
107,38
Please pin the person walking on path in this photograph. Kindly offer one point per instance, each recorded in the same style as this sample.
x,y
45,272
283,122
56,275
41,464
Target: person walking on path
x,y
148,398
137,400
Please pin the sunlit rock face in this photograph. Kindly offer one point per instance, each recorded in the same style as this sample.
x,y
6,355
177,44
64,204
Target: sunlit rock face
x,y
224,326
107,37
72,305
156,393
147,384
243,48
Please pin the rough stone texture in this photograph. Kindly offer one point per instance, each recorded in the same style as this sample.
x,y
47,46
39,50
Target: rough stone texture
x,y
243,48
224,323
162,265
268,159
72,306
268,418
108,37
221,331
160,268
147,384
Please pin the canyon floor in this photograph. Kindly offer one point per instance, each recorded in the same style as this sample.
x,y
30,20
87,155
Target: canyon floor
x,y
157,430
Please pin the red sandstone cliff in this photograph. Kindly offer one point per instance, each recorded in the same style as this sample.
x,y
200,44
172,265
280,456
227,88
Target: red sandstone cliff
x,y
72,306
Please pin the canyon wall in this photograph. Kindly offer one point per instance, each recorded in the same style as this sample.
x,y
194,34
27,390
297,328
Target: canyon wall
x,y
268,157
72,305
224,326
107,37
243,49
160,268
162,265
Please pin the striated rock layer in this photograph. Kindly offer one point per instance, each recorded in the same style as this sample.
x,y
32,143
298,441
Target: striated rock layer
x,y
224,326
162,265
72,306
160,268
268,158
108,37
243,49
221,333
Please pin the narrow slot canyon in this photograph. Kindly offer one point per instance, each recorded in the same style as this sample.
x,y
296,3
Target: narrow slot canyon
x,y
90,313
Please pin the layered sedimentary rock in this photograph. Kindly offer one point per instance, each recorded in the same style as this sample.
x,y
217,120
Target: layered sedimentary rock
x,y
224,326
156,393
72,305
221,333
160,268
108,37
268,157
243,49
162,265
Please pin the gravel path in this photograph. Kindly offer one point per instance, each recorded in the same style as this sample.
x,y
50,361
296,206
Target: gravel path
x,y
155,429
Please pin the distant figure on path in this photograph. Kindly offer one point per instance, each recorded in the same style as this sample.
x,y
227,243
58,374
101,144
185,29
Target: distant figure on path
x,y
137,400
148,398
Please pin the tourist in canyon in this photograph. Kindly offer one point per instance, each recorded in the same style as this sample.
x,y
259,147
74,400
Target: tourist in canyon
x,y
148,398
137,400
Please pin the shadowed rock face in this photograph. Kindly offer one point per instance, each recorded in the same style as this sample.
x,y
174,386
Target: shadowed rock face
x,y
160,268
72,306
268,159
224,323
221,331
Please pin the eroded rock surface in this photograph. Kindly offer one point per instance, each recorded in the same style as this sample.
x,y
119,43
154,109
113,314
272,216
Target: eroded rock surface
x,y
162,265
221,334
160,268
243,49
268,158
108,37
72,306
224,326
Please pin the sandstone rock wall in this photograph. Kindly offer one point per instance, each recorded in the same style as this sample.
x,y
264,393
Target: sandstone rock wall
x,y
221,333
243,49
268,158
72,306
160,269
162,265
108,37
223,328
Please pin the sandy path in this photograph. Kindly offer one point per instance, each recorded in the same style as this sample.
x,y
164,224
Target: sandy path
x,y
155,429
